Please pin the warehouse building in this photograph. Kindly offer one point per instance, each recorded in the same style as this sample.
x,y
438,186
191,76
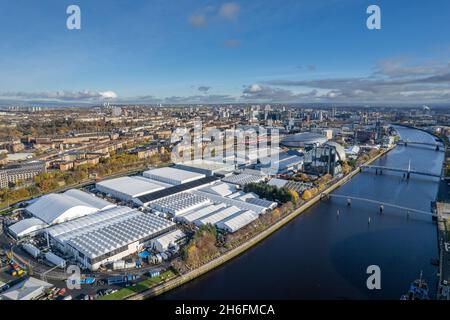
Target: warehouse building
x,y
180,203
243,179
206,167
130,188
243,205
28,289
26,227
190,217
218,216
57,208
287,161
172,175
170,240
108,236
147,199
236,222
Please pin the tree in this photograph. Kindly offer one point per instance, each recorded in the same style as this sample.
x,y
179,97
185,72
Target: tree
x,y
202,246
295,197
276,214
307,195
346,168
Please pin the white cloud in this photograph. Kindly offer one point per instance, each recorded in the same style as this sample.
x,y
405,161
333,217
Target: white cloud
x,y
84,95
109,95
197,20
229,11
254,88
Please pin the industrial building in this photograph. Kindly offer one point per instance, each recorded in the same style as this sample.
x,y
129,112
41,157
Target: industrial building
x,y
107,236
236,222
218,216
129,188
179,203
246,177
146,199
167,241
194,215
211,204
287,161
206,167
26,227
57,208
242,200
28,289
172,175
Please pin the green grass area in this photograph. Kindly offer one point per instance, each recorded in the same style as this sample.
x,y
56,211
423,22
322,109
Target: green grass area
x,y
139,287
6,212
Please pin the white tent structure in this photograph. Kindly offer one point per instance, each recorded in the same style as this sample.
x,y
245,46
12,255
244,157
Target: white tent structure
x,y
26,227
107,236
172,175
128,188
90,199
237,222
57,208
162,243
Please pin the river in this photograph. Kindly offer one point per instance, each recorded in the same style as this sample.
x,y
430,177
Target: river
x,y
321,255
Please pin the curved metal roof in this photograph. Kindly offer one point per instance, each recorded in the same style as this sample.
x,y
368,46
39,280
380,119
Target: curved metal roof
x,y
56,208
339,150
303,139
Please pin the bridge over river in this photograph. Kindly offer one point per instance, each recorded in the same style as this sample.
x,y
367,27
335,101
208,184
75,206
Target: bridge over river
x,y
408,211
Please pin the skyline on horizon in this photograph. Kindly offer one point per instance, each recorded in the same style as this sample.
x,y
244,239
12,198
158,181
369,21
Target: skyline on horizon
x,y
225,52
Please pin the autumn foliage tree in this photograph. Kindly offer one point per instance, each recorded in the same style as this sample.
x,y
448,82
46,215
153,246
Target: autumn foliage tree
x,y
202,246
309,193
295,198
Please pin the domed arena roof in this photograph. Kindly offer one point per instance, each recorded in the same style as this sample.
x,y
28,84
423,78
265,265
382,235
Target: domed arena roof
x,y
303,139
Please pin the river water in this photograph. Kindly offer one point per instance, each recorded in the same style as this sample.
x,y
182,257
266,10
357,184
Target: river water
x,y
321,255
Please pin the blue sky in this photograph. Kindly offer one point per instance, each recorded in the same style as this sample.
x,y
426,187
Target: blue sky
x,y
153,51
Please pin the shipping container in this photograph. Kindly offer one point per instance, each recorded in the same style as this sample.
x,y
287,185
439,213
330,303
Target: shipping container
x,y
121,279
119,264
153,274
32,250
56,260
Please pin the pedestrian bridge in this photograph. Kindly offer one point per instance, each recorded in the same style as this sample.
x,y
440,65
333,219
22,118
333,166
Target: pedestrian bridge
x,y
408,211
408,171
437,145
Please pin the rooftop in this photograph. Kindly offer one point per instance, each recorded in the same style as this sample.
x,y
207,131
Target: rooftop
x,y
131,186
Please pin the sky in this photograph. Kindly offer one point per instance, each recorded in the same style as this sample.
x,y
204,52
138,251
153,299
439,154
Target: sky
x,y
195,51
